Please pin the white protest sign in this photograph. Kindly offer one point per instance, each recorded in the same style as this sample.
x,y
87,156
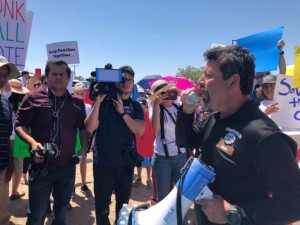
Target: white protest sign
x,y
288,99
67,51
15,26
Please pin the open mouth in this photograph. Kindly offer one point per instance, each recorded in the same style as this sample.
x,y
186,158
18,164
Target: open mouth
x,y
204,95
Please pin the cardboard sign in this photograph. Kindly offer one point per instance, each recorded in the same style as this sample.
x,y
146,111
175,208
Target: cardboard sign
x,y
15,27
288,99
67,51
297,68
264,47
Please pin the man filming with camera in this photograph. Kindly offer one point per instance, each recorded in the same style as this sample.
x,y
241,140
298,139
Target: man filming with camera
x,y
116,120
47,121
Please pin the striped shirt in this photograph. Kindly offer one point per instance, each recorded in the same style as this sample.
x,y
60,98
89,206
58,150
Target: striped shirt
x,y
5,131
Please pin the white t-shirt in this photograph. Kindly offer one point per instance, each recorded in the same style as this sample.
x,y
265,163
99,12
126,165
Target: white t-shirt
x,y
170,139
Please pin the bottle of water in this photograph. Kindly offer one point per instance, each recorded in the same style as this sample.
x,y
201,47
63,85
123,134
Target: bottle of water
x,y
123,209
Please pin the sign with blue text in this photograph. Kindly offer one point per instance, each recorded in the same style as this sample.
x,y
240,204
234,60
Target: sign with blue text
x,y
15,27
288,99
264,48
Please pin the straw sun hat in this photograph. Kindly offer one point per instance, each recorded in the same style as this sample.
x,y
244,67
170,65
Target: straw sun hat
x,y
13,71
161,85
17,87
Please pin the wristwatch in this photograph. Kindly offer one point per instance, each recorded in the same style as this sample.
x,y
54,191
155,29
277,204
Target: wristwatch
x,y
234,216
123,114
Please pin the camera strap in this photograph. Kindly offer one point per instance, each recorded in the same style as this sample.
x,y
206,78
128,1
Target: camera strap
x,y
56,114
162,127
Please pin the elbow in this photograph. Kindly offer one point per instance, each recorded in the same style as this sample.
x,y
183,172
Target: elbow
x,y
89,129
140,131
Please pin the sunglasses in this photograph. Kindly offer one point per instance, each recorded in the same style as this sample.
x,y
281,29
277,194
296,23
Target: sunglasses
x,y
37,85
143,102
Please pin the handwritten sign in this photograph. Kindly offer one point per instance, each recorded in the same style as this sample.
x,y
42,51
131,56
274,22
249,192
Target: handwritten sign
x,y
15,26
67,51
288,99
264,47
297,68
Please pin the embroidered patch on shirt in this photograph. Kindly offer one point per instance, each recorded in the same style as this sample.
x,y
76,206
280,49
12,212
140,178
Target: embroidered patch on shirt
x,y
226,144
225,148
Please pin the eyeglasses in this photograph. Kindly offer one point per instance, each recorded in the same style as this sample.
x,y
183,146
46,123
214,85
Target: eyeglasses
x,y
129,80
37,85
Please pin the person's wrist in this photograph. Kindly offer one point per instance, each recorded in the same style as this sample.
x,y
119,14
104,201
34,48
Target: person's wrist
x,y
122,114
281,52
234,215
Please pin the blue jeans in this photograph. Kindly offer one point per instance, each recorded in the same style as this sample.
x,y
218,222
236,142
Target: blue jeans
x,y
60,182
166,169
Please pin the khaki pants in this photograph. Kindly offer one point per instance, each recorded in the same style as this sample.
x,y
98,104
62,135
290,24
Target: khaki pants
x,y
4,200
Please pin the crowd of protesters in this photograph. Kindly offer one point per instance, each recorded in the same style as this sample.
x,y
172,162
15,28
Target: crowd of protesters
x,y
156,131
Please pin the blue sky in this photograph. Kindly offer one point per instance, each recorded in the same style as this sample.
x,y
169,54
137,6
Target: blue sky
x,y
153,36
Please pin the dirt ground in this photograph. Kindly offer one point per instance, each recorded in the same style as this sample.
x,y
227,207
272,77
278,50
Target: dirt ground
x,y
82,212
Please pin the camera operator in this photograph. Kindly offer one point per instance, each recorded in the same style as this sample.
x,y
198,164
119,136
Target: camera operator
x,y
48,120
117,121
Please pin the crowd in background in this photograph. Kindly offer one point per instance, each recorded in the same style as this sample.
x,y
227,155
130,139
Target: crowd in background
x,y
124,133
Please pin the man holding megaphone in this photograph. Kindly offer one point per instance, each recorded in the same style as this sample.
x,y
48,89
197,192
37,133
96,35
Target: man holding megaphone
x,y
257,176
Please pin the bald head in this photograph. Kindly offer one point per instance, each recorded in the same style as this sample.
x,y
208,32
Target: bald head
x,y
79,91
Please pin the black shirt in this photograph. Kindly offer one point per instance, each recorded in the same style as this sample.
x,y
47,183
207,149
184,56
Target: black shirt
x,y
113,135
5,131
254,163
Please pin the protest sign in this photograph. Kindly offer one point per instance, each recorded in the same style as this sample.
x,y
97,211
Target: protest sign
x,y
21,149
67,51
288,99
264,47
297,68
290,70
15,27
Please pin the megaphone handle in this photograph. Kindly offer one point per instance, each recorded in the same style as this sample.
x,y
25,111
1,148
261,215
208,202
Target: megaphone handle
x,y
178,197
178,201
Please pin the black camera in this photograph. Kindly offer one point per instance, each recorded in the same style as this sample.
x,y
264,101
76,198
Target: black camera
x,y
107,80
135,156
76,159
39,170
172,95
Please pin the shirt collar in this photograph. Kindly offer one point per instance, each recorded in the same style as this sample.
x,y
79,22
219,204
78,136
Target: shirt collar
x,y
242,113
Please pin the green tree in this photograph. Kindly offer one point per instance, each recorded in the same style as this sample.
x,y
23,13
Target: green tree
x,y
78,78
190,72
90,79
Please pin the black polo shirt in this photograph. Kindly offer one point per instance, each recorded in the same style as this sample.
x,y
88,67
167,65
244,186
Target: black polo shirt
x,y
5,131
113,135
254,163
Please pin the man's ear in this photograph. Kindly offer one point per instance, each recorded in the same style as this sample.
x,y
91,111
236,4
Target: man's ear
x,y
234,80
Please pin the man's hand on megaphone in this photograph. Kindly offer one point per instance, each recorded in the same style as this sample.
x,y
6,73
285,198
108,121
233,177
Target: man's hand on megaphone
x,y
215,209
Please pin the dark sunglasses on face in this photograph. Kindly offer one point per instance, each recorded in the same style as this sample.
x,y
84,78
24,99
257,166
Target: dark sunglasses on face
x,y
37,85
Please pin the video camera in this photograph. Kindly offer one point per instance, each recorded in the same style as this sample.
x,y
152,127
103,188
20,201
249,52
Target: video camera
x,y
107,80
38,171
